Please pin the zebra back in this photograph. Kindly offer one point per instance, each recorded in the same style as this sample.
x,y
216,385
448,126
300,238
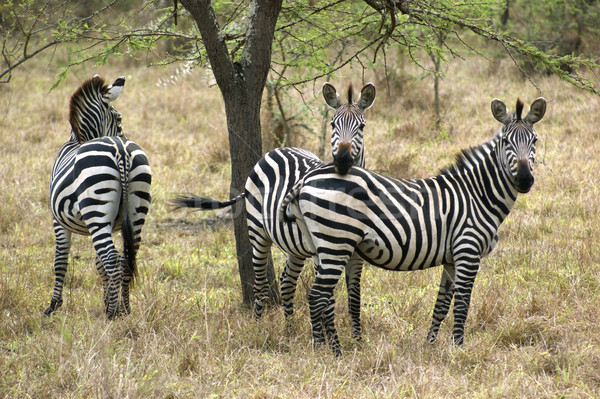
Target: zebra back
x,y
91,114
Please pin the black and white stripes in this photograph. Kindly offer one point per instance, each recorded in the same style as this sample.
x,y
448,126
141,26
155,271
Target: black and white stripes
x,y
100,183
450,219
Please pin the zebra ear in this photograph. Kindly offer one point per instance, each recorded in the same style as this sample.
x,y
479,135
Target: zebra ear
x,y
114,90
331,96
367,96
536,111
499,111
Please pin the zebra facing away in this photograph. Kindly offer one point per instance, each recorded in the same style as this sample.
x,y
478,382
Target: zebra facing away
x,y
451,219
272,177
100,183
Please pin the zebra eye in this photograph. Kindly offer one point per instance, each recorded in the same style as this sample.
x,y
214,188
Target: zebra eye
x,y
332,124
361,126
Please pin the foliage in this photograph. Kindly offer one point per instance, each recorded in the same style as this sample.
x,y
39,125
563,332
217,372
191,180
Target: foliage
x,y
333,32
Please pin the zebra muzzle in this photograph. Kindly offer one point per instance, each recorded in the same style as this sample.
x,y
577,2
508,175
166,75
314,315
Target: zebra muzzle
x,y
343,158
524,179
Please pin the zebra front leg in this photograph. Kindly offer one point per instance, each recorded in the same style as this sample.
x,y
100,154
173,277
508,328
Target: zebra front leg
x,y
289,281
442,304
321,303
61,260
353,274
463,283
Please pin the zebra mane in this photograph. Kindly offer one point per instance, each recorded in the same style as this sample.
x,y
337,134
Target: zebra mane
x,y
91,86
467,158
519,109
350,99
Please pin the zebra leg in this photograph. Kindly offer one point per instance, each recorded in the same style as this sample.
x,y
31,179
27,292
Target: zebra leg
x,y
288,281
329,327
105,250
321,303
260,254
61,260
138,202
104,276
463,282
353,274
442,304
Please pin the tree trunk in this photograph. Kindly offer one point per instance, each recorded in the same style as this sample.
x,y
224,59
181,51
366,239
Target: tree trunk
x,y
241,84
245,145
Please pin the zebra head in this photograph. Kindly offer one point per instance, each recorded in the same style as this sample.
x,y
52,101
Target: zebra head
x,y
347,126
91,112
516,141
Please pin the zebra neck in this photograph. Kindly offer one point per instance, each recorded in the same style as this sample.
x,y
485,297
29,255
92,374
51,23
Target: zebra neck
x,y
498,189
485,179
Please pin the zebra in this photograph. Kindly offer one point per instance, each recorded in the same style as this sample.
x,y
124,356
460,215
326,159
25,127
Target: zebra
x,y
272,177
100,183
451,219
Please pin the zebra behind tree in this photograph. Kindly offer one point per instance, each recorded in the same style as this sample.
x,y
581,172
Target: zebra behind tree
x,y
272,177
100,184
451,219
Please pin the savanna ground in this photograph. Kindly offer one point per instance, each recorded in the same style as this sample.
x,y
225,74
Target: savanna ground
x,y
532,330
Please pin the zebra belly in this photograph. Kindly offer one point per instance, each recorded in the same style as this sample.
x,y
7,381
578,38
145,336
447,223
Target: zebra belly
x,y
386,254
397,240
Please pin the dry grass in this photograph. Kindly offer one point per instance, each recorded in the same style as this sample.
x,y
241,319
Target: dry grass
x,y
531,332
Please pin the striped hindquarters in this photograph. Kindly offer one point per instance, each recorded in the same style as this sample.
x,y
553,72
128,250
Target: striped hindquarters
x,y
272,177
87,182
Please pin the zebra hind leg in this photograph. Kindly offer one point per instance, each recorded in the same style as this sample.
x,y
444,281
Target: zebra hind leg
x,y
321,303
104,277
288,282
329,327
61,257
112,265
442,303
111,260
260,255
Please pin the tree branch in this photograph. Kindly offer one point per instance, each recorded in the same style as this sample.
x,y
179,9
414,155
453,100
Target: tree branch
x,y
213,39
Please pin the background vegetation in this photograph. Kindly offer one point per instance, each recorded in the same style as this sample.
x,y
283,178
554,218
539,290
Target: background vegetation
x,y
532,328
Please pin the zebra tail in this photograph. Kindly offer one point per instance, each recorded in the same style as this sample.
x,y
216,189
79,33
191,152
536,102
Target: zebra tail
x,y
202,203
285,212
127,230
